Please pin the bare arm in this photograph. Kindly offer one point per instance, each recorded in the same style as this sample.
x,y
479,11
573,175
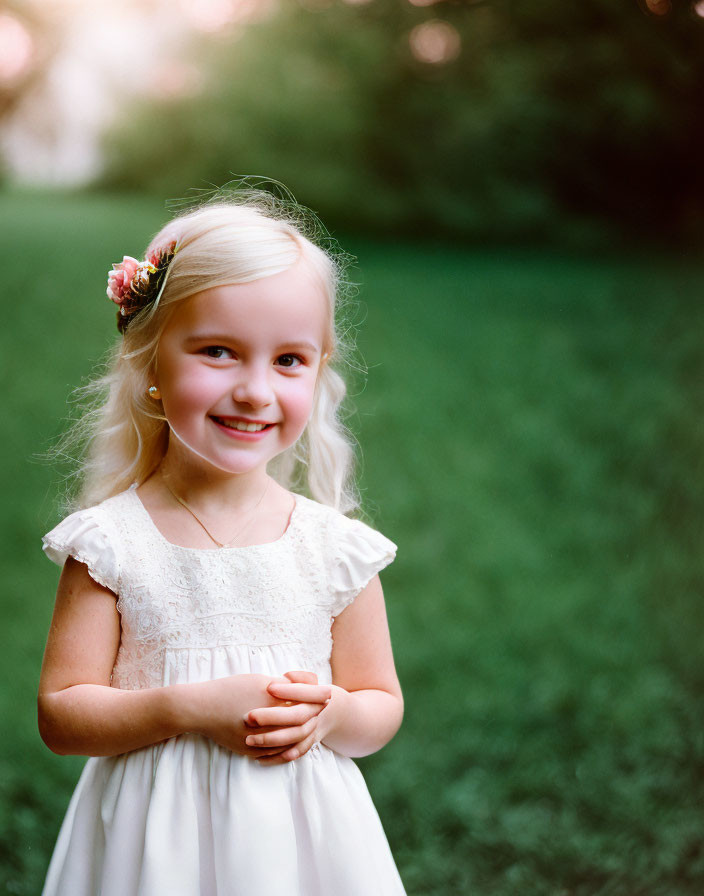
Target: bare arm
x,y
366,708
366,705
80,713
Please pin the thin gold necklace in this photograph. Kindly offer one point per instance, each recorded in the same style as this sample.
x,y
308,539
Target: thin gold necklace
x,y
220,544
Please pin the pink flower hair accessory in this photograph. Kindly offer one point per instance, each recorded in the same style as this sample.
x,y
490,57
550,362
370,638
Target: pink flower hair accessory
x,y
133,285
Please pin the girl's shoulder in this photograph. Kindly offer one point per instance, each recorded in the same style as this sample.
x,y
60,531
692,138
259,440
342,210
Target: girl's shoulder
x,y
336,527
352,551
90,535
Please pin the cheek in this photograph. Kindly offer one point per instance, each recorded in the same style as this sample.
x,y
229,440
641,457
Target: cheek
x,y
299,402
187,390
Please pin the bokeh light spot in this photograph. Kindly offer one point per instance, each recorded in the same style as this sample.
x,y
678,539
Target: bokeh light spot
x,y
698,8
212,16
435,42
659,7
16,48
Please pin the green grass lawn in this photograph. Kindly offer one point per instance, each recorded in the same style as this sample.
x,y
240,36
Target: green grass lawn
x,y
533,438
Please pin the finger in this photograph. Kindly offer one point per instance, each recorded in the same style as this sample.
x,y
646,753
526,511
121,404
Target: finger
x,y
281,716
248,725
252,752
281,736
266,754
272,760
305,745
301,677
301,693
291,753
287,755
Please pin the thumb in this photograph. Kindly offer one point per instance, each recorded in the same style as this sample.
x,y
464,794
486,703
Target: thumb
x,y
300,677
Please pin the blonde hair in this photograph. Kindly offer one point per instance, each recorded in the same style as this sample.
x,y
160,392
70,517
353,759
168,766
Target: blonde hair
x,y
223,242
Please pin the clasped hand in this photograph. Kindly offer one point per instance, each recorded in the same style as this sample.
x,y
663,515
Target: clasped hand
x,y
286,731
283,723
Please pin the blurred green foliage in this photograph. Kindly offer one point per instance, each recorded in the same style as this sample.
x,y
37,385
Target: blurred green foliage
x,y
533,440
577,122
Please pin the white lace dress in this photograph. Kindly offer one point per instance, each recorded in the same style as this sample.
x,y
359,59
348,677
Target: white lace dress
x,y
186,817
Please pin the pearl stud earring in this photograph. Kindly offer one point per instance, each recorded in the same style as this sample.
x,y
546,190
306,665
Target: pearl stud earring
x,y
153,392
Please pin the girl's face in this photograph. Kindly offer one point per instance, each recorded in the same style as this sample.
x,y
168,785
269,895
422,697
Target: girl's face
x,y
237,367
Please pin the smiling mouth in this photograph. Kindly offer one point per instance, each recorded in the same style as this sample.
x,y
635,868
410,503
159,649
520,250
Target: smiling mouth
x,y
242,425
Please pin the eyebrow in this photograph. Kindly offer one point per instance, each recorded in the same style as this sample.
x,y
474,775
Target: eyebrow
x,y
303,345
221,339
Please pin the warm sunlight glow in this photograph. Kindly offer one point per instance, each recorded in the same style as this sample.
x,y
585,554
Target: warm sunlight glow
x,y
435,42
101,57
211,16
16,48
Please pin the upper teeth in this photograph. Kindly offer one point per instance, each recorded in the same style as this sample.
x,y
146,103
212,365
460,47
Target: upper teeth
x,y
243,427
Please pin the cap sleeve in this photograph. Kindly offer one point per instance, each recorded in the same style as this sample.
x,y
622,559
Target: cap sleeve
x,y
82,535
359,552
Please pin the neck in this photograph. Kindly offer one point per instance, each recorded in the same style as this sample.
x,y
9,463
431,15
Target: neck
x,y
206,528
212,489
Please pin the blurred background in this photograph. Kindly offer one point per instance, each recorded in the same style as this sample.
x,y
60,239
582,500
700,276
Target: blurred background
x,y
483,120
521,184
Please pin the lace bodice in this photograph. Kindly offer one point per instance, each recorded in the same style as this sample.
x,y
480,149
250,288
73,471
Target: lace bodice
x,y
189,614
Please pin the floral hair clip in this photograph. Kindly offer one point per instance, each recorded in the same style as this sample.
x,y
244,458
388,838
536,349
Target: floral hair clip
x,y
133,285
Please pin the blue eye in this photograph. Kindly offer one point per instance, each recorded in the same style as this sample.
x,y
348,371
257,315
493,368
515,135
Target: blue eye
x,y
217,351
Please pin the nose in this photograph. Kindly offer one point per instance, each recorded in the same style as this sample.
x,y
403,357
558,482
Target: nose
x,y
252,386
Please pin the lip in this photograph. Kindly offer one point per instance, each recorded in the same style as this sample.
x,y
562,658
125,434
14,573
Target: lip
x,y
238,433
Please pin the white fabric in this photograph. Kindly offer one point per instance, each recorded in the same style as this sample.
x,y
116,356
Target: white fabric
x,y
187,817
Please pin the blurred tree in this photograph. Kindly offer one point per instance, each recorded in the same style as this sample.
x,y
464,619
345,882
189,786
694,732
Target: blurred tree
x,y
537,118
624,96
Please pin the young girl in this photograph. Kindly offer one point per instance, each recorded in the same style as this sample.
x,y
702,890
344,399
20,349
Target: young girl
x,y
219,643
